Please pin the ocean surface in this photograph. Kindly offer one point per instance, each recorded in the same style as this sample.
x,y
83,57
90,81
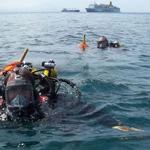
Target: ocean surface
x,y
114,81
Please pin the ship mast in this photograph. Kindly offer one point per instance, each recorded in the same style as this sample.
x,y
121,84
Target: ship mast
x,y
110,3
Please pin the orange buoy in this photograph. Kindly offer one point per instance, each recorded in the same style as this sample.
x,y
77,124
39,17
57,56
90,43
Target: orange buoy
x,y
83,45
11,66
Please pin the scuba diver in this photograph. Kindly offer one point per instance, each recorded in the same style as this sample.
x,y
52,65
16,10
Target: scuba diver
x,y
24,88
114,44
103,43
17,94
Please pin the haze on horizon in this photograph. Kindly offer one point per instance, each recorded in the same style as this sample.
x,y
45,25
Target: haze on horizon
x,y
57,5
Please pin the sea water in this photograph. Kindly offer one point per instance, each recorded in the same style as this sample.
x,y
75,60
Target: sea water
x,y
113,80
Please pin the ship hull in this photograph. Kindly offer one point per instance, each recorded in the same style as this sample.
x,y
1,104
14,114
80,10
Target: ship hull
x,y
69,10
117,10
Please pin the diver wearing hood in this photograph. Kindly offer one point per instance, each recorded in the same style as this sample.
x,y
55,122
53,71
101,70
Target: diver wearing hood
x,y
114,44
21,89
103,43
19,97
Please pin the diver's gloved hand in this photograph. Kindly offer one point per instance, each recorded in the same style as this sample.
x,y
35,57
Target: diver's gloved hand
x,y
3,117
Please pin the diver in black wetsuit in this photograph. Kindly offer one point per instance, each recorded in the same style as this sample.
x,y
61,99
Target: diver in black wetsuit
x,y
21,88
24,90
103,43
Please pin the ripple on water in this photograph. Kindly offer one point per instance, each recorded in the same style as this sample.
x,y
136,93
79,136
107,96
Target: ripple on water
x,y
115,83
93,85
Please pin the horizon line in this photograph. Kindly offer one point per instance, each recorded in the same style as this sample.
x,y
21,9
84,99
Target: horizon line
x,y
59,11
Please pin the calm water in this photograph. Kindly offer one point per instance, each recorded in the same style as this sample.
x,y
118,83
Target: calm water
x,y
114,80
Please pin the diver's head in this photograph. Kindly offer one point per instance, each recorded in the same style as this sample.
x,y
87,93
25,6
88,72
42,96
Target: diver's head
x,y
114,44
19,96
49,64
102,42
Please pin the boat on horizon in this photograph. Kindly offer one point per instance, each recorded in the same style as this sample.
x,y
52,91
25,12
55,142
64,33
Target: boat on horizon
x,y
70,10
103,8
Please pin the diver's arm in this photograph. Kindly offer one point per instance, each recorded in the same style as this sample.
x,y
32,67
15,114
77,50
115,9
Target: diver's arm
x,y
126,128
121,127
109,121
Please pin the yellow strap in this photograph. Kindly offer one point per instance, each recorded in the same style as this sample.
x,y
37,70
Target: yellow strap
x,y
46,72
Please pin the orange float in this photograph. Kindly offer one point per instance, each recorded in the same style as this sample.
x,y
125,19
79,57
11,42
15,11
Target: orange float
x,y
83,45
11,66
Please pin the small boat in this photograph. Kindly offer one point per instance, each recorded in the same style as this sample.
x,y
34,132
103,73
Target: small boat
x,y
70,10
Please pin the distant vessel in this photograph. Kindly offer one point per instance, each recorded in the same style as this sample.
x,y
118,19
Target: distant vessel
x,y
102,8
70,10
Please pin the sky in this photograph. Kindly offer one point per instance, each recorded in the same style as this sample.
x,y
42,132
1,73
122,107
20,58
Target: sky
x,y
57,5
